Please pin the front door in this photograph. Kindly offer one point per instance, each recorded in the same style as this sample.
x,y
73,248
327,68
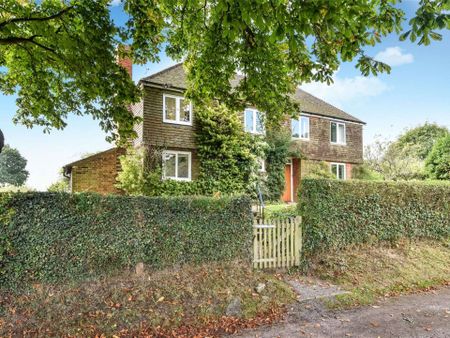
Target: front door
x,y
288,188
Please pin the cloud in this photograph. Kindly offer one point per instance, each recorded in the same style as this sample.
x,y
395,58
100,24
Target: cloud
x,y
394,56
115,2
346,89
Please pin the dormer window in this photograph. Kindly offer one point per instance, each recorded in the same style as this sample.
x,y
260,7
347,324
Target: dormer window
x,y
177,110
300,128
253,121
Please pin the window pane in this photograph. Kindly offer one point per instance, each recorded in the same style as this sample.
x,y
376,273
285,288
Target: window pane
x,y
333,132
259,122
249,120
295,126
334,169
183,166
170,108
341,133
341,168
169,165
262,165
305,127
185,110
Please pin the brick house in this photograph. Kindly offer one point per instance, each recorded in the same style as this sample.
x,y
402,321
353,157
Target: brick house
x,y
321,131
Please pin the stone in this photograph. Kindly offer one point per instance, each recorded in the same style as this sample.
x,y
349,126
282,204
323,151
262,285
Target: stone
x,y
260,287
234,308
140,269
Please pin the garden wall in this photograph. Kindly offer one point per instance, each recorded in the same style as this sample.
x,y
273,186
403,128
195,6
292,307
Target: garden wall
x,y
337,214
57,237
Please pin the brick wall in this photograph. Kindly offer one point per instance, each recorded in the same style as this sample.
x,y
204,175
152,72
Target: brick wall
x,y
97,173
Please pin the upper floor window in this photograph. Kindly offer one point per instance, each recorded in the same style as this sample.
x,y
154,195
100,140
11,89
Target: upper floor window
x,y
253,121
176,165
338,169
300,128
261,165
338,133
177,110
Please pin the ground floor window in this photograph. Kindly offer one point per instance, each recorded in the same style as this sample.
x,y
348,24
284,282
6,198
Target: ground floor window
x,y
177,165
338,169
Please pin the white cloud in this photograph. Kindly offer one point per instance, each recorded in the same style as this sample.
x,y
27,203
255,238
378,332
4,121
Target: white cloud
x,y
346,89
394,56
115,2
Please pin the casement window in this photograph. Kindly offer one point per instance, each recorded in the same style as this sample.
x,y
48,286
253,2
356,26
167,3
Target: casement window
x,y
177,165
337,132
300,128
262,165
177,110
338,169
253,121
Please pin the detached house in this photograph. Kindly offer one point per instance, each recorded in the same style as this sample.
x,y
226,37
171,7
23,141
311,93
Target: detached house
x,y
322,132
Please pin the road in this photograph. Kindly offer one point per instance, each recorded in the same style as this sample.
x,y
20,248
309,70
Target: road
x,y
417,315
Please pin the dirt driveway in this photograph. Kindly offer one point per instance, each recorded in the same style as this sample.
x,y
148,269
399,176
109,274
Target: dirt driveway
x,y
418,315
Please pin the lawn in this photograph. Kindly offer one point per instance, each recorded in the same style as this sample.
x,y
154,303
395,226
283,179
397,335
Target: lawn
x,y
185,301
370,273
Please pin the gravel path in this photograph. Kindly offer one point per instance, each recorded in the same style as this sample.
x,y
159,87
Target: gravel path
x,y
416,315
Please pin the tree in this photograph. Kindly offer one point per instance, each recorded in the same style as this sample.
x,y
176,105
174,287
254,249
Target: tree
x,y
2,141
12,167
438,161
60,55
419,141
61,185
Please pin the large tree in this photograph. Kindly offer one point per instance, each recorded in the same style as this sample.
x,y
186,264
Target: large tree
x,y
438,160
12,167
60,55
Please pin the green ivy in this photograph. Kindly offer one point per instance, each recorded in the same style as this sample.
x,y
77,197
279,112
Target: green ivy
x,y
57,237
337,214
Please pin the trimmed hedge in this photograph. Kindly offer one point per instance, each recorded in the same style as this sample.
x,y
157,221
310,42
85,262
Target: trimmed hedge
x,y
58,237
337,214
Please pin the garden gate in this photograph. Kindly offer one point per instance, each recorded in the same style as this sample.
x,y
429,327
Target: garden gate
x,y
277,243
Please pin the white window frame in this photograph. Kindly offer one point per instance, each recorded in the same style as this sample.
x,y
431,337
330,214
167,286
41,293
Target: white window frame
x,y
337,169
340,142
255,113
177,110
176,153
299,119
262,165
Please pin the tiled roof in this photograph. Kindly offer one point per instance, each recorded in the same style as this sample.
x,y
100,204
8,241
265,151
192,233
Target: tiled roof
x,y
175,77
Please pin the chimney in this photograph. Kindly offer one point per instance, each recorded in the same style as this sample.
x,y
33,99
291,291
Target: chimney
x,y
124,59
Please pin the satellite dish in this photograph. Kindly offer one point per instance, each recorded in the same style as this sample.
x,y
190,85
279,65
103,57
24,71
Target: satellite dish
x,y
2,141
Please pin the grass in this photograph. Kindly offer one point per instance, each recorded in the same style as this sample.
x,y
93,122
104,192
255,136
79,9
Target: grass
x,y
154,303
280,210
370,273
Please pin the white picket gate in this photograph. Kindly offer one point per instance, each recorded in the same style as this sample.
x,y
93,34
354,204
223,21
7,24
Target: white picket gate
x,y
277,243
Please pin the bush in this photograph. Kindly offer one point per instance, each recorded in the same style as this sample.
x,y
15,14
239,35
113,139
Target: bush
x,y
57,237
364,172
337,214
438,161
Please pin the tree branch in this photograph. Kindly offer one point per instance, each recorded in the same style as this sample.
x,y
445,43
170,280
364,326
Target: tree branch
x,y
44,18
14,40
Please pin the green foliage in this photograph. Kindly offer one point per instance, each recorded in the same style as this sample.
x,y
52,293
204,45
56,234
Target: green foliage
x,y
438,160
56,67
227,155
277,155
338,214
419,141
12,167
57,237
318,169
364,172
62,185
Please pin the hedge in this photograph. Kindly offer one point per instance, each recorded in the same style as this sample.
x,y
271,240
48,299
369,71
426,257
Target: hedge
x,y
337,214
58,237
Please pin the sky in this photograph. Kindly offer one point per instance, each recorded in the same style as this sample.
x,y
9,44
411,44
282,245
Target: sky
x,y
416,91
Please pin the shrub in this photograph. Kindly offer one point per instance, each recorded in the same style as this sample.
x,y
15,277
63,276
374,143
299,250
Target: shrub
x,y
337,214
438,161
364,172
57,237
319,169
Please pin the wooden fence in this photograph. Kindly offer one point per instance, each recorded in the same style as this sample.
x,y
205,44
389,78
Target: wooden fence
x,y
277,243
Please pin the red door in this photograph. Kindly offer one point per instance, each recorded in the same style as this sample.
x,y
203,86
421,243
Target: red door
x,y
287,194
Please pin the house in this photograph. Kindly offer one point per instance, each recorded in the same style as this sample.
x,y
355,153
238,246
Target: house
x,y
322,132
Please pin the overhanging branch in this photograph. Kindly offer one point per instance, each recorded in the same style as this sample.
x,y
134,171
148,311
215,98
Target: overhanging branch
x,y
39,18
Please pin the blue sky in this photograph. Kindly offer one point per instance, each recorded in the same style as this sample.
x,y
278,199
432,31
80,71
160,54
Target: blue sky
x,y
416,91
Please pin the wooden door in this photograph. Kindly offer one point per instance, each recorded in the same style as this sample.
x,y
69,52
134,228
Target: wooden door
x,y
287,194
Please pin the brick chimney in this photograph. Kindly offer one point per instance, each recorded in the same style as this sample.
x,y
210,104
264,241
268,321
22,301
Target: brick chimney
x,y
125,60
